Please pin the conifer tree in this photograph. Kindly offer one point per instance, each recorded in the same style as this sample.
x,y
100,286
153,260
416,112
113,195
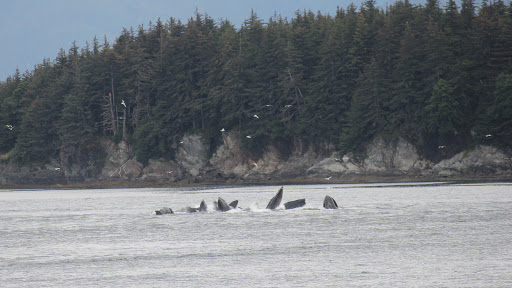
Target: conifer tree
x,y
366,117
341,79
497,128
11,93
445,117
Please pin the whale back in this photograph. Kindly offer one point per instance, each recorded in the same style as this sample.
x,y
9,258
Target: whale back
x,y
164,210
295,204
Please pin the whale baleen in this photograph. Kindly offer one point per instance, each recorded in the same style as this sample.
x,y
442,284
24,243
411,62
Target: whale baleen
x,y
330,203
276,200
295,204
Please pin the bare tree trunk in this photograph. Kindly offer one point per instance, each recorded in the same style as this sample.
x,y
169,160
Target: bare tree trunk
x,y
124,124
113,107
112,113
202,119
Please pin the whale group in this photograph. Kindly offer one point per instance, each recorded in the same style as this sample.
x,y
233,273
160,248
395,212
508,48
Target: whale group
x,y
223,206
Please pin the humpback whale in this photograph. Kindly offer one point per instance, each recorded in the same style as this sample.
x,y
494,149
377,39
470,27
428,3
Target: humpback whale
x,y
330,203
202,208
222,205
191,210
164,210
295,204
276,200
233,204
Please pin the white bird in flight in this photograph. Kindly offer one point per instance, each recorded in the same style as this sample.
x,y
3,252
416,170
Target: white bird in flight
x,y
328,178
222,130
248,136
10,127
256,116
122,103
442,147
488,135
287,106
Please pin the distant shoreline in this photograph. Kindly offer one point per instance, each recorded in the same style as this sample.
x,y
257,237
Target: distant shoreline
x,y
189,183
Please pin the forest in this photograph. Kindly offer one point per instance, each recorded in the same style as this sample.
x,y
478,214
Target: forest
x,y
438,76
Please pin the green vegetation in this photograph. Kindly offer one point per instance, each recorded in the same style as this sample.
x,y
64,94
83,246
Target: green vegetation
x,y
437,76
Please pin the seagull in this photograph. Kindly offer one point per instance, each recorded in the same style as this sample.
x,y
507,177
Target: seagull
x,y
181,142
488,135
328,178
441,147
255,165
57,169
256,116
337,159
248,136
170,172
287,106
222,130
268,105
122,103
10,127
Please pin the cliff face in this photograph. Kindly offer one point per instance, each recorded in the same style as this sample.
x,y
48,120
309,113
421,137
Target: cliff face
x,y
383,159
230,163
481,160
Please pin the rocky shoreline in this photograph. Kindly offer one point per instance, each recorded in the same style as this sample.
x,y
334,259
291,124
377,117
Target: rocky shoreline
x,y
394,161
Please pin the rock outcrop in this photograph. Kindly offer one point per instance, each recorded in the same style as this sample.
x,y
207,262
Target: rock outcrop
x,y
231,163
162,171
395,157
192,153
382,159
483,160
14,174
118,161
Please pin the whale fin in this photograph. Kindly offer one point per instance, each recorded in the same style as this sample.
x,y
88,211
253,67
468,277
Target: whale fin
x,y
276,200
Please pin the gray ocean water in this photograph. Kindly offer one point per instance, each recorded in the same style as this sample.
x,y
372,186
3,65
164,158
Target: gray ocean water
x,y
389,235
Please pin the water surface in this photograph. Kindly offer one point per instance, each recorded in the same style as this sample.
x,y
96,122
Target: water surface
x,y
389,235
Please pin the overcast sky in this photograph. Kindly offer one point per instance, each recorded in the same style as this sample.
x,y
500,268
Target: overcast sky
x,y
31,30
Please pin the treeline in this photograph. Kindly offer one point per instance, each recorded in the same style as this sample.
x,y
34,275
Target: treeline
x,y
441,77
